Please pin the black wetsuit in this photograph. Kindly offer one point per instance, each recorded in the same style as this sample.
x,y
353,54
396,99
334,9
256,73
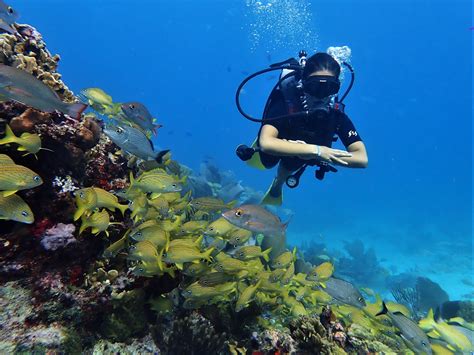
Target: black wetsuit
x,y
317,129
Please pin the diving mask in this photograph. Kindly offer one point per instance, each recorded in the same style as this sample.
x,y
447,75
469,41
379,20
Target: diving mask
x,y
320,86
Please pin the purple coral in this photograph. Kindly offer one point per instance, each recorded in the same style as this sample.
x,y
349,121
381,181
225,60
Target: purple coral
x,y
58,236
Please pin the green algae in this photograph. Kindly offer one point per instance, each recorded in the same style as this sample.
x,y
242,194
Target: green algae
x,y
127,319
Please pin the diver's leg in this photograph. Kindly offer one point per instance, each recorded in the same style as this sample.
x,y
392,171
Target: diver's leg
x,y
274,195
279,180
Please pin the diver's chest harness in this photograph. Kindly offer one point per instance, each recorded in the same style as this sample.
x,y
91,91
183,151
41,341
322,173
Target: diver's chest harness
x,y
304,112
319,126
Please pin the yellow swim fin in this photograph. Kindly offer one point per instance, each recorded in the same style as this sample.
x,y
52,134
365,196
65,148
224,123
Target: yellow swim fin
x,y
255,161
268,199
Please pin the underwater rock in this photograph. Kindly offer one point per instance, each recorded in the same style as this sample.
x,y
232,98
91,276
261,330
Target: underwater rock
x,y
13,270
145,345
57,298
88,135
420,294
189,334
17,336
15,305
27,121
47,339
451,309
430,294
466,310
65,159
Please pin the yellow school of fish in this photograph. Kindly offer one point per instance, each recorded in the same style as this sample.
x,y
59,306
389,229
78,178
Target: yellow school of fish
x,y
14,178
224,264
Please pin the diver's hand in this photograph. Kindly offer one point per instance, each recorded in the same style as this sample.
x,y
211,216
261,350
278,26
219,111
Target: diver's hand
x,y
331,155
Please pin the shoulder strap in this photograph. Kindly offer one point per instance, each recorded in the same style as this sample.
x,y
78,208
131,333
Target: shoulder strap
x,y
290,92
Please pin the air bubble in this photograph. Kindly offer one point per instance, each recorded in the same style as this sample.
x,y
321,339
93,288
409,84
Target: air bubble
x,y
341,54
281,25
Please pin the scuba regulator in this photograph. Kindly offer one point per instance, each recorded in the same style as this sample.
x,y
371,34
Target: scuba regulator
x,y
312,94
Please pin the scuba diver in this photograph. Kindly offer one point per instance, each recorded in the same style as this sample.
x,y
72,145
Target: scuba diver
x,y
302,116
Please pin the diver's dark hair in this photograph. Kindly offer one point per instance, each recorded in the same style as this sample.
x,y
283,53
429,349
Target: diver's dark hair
x,y
321,61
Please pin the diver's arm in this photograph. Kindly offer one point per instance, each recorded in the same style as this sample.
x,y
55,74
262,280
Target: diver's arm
x,y
270,144
359,157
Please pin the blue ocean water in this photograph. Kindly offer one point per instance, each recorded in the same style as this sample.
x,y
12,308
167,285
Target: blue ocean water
x,y
411,103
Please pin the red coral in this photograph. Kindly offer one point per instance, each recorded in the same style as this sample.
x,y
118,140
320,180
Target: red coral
x,y
76,275
40,227
104,183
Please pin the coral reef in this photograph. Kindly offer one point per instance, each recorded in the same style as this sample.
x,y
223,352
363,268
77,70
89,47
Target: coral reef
x,y
103,168
27,51
126,317
361,265
144,345
311,336
189,334
419,294
408,297
18,335
271,341
366,342
152,283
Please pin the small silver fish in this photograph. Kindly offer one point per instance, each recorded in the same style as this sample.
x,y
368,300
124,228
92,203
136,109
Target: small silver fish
x,y
344,292
256,219
411,332
133,141
137,113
